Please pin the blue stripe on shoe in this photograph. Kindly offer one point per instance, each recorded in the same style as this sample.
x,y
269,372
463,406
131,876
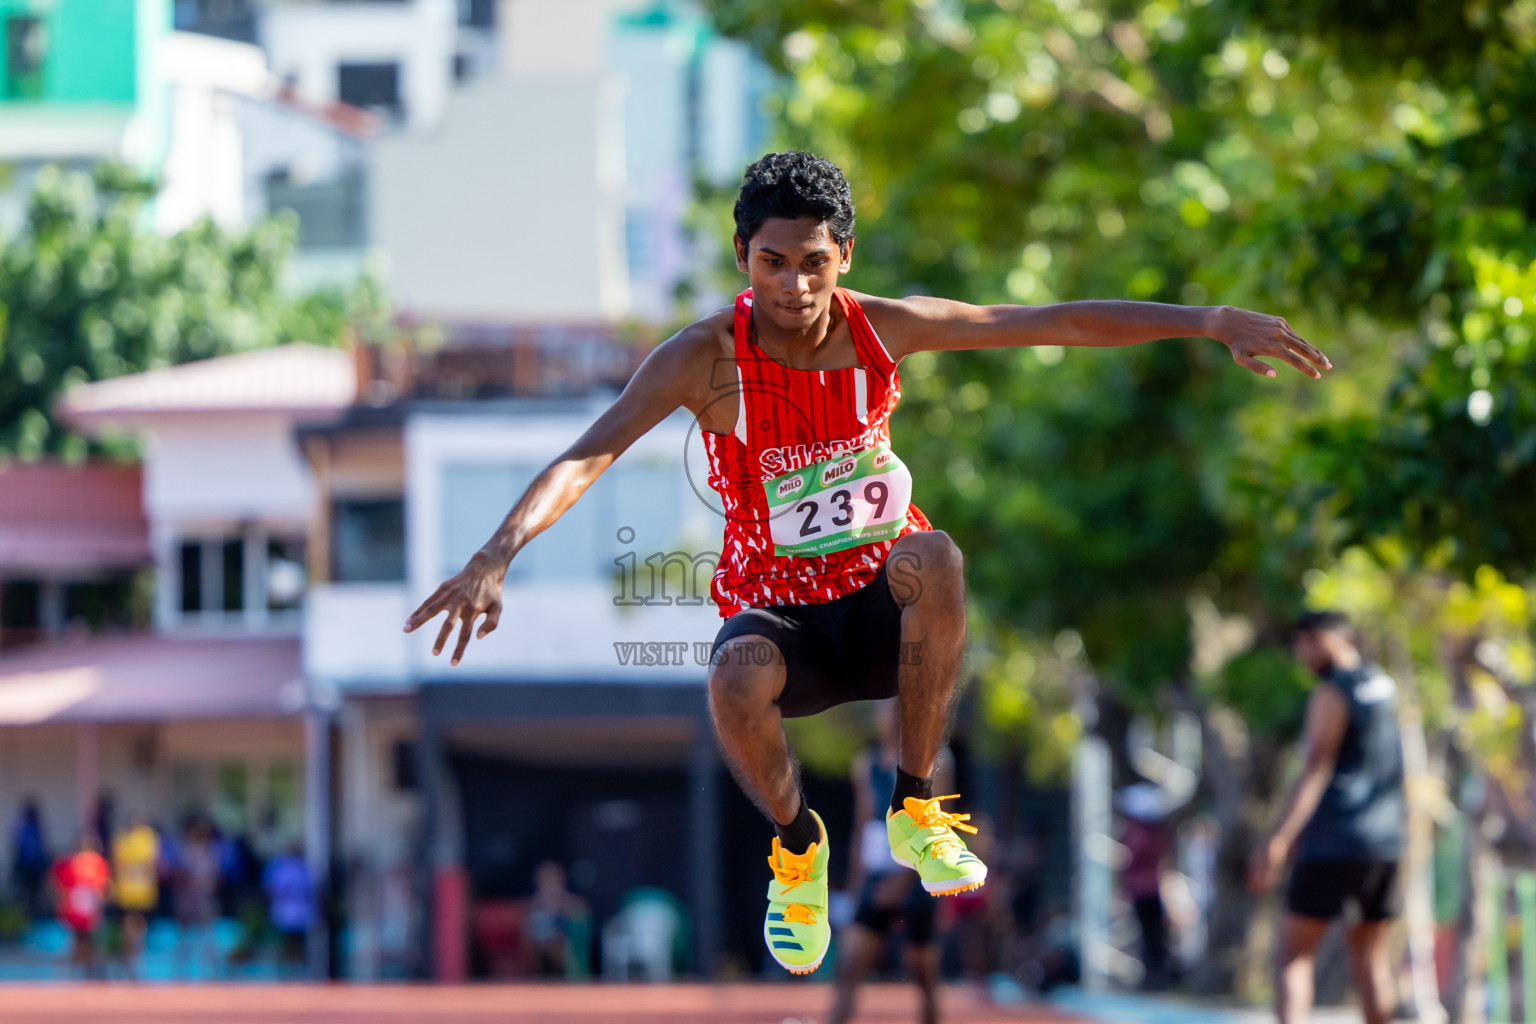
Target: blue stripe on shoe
x,y
781,931
787,945
774,915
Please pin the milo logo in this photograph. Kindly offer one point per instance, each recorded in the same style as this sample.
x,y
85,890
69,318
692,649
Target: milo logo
x,y
790,486
882,458
832,474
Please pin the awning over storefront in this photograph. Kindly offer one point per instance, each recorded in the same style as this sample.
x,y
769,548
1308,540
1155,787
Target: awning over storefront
x,y
71,520
151,679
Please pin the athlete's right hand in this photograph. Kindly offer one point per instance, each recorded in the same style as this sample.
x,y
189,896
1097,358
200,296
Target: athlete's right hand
x,y
473,592
1266,866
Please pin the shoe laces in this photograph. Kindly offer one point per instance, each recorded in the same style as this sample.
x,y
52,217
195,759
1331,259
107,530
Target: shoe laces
x,y
928,814
789,870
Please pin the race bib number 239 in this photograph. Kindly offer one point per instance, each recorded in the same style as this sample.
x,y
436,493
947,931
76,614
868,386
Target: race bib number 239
x,y
859,498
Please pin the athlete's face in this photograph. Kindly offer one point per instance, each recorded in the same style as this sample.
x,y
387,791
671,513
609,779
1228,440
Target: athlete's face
x,y
794,266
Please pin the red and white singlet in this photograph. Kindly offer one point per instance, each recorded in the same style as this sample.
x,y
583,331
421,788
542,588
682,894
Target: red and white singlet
x,y
813,497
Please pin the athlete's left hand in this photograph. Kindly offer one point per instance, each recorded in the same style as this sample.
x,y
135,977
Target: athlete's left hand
x,y
1250,335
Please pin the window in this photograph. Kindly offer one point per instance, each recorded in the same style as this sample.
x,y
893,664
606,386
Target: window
x,y
368,540
477,13
637,242
332,214
192,577
583,543
286,575
250,574
25,42
370,86
233,552
227,19
19,603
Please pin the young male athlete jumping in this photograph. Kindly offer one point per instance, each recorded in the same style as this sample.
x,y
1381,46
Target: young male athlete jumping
x,y
793,390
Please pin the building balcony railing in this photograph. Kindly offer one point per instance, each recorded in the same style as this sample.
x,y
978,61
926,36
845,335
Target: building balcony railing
x,y
353,638
494,362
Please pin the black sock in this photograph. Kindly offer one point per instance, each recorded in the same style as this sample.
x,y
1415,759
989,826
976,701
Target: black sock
x,y
798,835
910,785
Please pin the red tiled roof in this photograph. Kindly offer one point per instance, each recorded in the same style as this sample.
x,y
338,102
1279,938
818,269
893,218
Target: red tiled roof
x,y
290,378
67,519
145,678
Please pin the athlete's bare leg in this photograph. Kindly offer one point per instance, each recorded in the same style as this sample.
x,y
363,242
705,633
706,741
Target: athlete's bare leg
x,y
742,696
861,948
1367,944
927,579
1299,939
922,964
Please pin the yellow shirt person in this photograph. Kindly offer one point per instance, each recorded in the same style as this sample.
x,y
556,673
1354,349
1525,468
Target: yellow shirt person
x,y
136,868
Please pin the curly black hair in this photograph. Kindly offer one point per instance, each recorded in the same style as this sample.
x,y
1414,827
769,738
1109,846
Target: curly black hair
x,y
794,185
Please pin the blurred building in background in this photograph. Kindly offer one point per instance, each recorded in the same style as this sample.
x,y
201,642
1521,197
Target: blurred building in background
x,y
77,85
547,742
219,630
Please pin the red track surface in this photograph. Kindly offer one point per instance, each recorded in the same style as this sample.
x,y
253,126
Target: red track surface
x,y
507,1004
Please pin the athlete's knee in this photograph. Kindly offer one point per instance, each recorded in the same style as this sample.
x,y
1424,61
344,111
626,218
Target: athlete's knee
x,y
923,561
930,551
746,671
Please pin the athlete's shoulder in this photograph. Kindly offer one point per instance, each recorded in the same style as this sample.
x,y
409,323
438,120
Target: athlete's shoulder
x,y
880,306
697,346
708,337
897,321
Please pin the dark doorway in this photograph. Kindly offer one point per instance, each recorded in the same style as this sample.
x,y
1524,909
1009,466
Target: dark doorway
x,y
614,830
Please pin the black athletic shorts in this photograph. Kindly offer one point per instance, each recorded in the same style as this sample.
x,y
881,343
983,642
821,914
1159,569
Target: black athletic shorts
x,y
847,649
1320,888
914,912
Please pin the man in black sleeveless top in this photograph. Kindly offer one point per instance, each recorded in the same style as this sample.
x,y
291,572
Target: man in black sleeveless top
x,y
1343,820
891,902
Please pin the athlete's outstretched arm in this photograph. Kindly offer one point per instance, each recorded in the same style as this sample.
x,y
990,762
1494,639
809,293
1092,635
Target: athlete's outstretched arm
x,y
926,323
666,380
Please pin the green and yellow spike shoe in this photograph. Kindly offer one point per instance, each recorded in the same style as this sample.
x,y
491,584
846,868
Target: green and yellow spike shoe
x,y
796,928
923,838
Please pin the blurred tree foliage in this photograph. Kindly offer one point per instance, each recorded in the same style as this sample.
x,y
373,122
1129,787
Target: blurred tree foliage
x,y
1366,169
1339,163
87,292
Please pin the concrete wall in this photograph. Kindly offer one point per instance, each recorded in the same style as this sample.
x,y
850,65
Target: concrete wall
x,y
308,41
226,468
489,219
228,132
563,622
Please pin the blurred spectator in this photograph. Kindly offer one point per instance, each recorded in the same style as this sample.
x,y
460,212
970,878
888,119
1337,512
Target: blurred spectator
x,y
647,936
29,858
239,873
136,884
1148,840
291,895
557,921
977,922
892,902
81,879
1054,961
196,890
241,895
